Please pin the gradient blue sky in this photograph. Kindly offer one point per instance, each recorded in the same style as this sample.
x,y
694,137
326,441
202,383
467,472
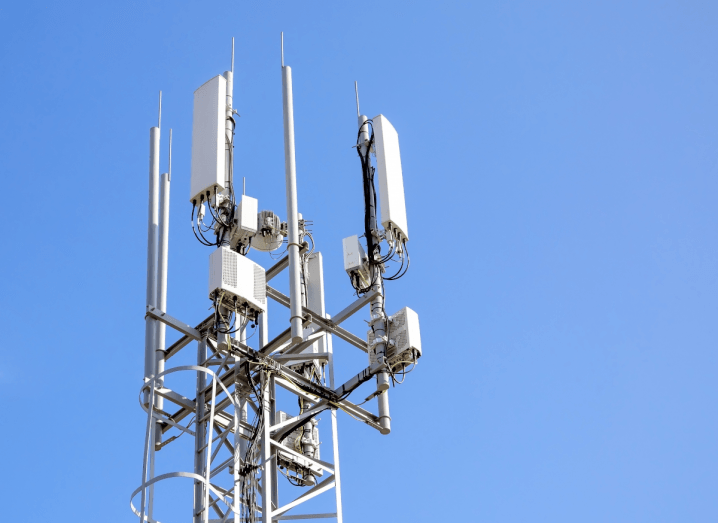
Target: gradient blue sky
x,y
560,163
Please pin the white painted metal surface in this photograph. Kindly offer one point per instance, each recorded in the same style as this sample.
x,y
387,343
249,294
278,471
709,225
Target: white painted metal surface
x,y
290,167
404,339
237,276
391,180
208,139
354,255
234,419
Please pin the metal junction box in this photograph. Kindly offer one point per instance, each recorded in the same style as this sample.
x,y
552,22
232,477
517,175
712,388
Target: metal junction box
x,y
245,221
404,337
239,277
391,181
355,258
296,440
208,138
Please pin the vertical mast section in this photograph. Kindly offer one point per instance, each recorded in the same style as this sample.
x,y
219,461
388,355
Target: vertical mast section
x,y
162,256
151,327
290,168
378,317
152,236
199,513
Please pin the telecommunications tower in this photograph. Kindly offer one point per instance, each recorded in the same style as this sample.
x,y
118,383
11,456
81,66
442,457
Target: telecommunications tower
x,y
244,441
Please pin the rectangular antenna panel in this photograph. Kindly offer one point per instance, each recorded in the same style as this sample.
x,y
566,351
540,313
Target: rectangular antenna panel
x,y
208,138
239,277
315,283
391,181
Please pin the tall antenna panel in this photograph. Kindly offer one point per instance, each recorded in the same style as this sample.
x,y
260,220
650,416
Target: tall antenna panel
x,y
391,181
208,138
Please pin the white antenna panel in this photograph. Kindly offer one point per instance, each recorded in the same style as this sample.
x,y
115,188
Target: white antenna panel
x,y
208,138
391,181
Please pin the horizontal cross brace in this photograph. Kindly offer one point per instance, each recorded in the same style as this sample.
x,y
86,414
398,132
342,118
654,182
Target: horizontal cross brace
x,y
305,516
333,324
157,314
283,263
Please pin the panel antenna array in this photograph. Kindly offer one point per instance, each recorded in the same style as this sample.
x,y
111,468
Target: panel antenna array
x,y
243,440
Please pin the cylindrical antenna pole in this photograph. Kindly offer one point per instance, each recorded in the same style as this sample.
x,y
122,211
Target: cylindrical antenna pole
x,y
232,69
152,238
159,113
290,167
378,318
163,250
151,328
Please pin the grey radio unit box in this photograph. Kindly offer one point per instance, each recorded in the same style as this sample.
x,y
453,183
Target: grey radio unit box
x,y
232,275
404,340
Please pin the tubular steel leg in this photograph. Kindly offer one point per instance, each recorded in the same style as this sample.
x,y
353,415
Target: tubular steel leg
x,y
200,436
162,288
151,327
275,476
378,319
335,434
337,482
267,463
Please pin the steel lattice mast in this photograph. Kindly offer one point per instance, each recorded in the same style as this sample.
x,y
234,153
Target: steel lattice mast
x,y
243,441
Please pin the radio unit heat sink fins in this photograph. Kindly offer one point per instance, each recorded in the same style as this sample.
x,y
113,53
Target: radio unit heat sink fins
x,y
235,276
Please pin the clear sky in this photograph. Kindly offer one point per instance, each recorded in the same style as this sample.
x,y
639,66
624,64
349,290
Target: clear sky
x,y
560,163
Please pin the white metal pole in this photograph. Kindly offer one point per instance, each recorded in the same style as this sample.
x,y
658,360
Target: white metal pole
x,y
378,317
200,436
235,468
335,432
163,250
290,168
152,225
267,461
151,328
239,442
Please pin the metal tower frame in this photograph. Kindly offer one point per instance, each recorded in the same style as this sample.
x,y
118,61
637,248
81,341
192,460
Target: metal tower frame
x,y
236,463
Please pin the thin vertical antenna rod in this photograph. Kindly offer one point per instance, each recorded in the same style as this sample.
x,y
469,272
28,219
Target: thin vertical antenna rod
x,y
244,185
356,91
169,162
159,114
232,55
282,49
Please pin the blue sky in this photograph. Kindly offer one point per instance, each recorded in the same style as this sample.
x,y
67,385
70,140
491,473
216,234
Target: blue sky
x,y
560,163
